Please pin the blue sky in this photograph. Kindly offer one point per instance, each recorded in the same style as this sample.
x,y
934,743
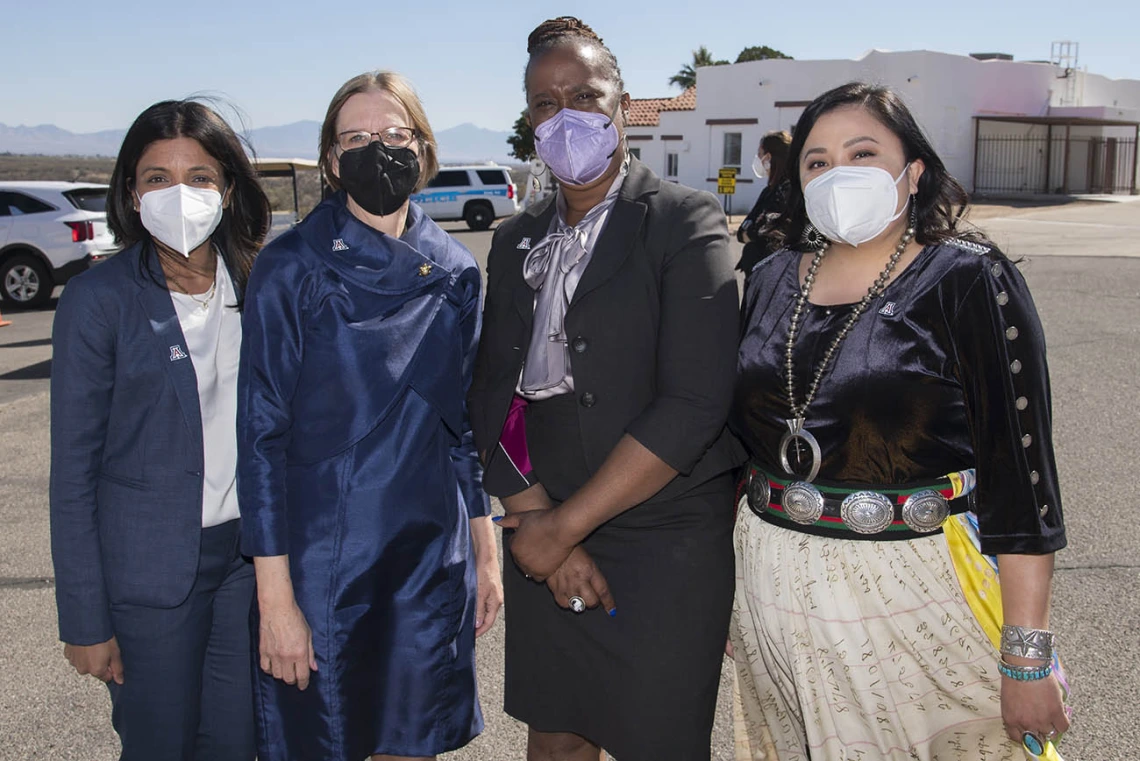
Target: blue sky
x,y
90,66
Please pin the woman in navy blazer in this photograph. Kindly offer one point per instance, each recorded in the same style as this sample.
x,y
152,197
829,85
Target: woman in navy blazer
x,y
152,593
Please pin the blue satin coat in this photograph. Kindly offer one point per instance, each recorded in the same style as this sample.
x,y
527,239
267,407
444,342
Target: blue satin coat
x,y
356,460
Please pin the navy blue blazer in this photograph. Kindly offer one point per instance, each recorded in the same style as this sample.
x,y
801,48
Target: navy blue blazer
x,y
126,448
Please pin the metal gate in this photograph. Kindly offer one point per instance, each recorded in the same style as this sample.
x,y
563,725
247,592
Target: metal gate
x,y
1055,163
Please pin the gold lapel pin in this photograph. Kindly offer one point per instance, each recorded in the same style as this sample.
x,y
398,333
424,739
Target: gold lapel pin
x,y
425,269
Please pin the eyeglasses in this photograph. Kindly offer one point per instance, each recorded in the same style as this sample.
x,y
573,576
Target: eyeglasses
x,y
393,137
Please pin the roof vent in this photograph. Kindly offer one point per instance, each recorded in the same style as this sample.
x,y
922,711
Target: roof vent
x,y
991,56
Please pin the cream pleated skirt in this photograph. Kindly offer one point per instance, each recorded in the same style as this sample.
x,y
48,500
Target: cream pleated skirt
x,y
865,650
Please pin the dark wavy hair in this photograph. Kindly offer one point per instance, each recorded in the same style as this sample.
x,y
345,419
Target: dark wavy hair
x,y
244,222
940,202
776,144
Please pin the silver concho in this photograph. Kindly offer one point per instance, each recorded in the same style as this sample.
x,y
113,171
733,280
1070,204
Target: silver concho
x,y
925,511
759,491
867,512
802,502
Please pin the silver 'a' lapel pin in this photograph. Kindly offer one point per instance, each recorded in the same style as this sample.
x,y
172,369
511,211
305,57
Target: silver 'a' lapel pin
x,y
176,353
339,245
524,244
888,309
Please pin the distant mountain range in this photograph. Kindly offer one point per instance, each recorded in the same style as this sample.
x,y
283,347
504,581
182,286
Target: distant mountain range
x,y
462,143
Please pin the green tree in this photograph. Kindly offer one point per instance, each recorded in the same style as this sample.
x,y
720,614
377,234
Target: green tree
x,y
760,53
687,76
522,141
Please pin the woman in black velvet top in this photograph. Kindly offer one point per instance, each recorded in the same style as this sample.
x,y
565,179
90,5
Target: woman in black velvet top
x,y
894,397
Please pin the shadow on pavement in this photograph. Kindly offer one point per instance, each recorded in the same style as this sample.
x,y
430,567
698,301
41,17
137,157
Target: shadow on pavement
x,y
38,371
27,344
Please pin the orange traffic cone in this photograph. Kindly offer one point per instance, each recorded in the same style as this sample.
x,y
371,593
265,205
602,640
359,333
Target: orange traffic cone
x,y
4,323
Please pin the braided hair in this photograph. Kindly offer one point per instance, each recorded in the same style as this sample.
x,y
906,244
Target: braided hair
x,y
568,30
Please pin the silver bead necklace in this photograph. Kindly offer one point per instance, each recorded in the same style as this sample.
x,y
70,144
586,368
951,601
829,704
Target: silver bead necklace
x,y
796,430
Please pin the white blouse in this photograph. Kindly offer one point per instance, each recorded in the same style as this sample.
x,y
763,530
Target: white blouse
x,y
212,329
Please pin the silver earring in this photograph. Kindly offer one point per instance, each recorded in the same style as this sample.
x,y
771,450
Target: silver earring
x,y
812,238
912,222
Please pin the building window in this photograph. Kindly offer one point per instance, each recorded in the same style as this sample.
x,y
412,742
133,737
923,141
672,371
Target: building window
x,y
670,164
636,153
731,149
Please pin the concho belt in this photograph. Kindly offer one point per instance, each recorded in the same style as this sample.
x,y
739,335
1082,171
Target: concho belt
x,y
902,511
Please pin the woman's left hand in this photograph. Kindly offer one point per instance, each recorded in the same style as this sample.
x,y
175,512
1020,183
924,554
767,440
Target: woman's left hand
x,y
1035,707
488,595
539,545
489,582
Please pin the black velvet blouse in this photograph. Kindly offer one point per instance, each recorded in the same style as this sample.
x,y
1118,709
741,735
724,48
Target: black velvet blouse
x,y
945,371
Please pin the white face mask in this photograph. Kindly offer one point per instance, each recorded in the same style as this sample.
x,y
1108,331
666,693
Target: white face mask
x,y
853,204
761,167
180,216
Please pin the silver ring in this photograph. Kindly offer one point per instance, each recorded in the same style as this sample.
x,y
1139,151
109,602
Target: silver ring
x,y
577,604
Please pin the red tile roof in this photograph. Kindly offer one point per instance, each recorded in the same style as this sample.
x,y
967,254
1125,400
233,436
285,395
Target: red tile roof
x,y
645,112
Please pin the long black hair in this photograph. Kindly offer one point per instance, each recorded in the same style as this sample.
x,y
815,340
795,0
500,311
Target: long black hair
x,y
940,201
244,222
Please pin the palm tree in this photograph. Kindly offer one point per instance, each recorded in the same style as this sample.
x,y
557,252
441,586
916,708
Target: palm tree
x,y
687,76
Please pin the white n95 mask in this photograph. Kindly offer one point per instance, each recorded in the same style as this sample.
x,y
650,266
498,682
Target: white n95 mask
x,y
180,216
760,167
853,204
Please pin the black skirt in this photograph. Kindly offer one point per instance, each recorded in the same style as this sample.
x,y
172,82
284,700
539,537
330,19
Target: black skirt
x,y
642,684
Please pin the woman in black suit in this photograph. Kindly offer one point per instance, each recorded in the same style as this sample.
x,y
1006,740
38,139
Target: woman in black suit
x,y
601,389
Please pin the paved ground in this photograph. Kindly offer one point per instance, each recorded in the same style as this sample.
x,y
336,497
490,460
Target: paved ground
x,y
1083,264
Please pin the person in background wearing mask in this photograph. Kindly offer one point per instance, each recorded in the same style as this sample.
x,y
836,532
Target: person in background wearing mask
x,y
152,593
599,401
756,232
370,532
894,396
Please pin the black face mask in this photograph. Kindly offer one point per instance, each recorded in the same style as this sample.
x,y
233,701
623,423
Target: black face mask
x,y
379,178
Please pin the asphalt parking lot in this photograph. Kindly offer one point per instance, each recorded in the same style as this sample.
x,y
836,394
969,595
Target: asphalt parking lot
x,y
1082,262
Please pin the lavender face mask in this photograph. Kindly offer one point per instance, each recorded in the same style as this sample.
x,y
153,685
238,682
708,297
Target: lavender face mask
x,y
577,145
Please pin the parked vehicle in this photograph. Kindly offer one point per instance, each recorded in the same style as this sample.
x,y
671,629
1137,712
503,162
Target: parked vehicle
x,y
49,232
476,194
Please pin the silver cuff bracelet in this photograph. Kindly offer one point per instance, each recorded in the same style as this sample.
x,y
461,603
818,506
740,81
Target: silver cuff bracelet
x,y
1023,642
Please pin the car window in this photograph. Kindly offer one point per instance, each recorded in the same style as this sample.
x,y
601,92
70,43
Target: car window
x,y
88,199
450,178
18,203
492,176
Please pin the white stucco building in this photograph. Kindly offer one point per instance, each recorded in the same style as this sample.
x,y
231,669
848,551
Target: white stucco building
x,y
1001,126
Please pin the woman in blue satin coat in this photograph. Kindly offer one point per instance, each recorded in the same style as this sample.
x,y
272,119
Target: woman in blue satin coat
x,y
360,487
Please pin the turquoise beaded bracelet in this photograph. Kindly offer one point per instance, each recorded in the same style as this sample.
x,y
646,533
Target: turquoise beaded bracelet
x,y
1025,673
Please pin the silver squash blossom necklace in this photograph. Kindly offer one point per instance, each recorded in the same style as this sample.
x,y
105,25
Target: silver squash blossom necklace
x,y
802,501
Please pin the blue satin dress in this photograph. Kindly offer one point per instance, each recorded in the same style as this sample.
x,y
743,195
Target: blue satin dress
x,y
356,460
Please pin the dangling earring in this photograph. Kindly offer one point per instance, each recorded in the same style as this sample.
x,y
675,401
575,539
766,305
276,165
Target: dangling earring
x,y
537,167
812,238
912,221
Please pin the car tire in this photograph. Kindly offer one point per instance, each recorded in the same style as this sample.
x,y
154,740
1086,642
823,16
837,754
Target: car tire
x,y
478,215
25,282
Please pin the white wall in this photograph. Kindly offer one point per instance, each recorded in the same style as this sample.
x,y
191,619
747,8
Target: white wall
x,y
944,91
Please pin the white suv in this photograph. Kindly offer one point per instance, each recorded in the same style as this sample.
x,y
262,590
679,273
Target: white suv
x,y
476,194
49,231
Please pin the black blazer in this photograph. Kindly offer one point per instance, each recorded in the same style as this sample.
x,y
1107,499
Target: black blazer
x,y
653,330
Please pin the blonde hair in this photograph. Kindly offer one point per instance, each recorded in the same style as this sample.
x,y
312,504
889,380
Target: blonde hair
x,y
399,88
